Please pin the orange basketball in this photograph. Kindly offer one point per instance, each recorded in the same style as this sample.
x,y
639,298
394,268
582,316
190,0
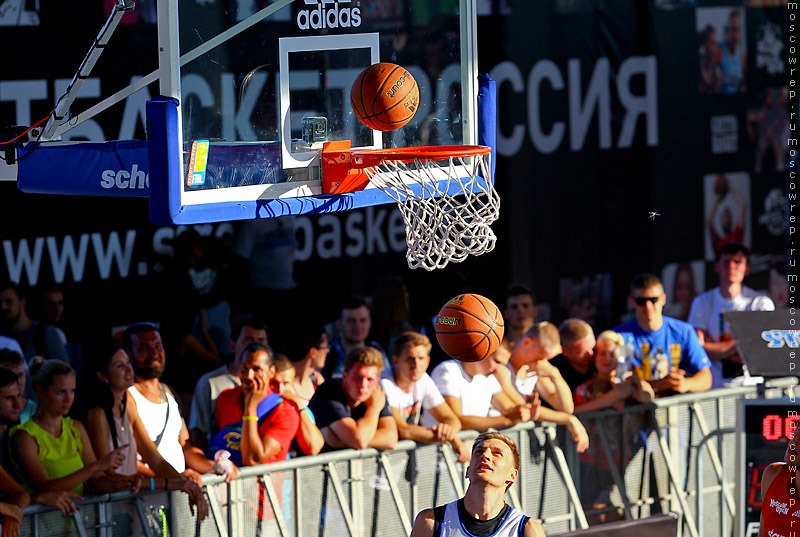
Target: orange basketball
x,y
384,96
469,327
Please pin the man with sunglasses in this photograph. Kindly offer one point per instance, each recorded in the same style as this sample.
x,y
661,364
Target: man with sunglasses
x,y
688,368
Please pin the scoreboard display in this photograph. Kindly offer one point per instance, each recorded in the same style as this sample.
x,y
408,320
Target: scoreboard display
x,y
764,428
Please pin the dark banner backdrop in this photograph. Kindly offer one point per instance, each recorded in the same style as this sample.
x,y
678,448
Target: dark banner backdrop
x,y
615,156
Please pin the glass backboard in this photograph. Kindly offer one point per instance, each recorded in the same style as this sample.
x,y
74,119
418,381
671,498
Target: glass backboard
x,y
254,88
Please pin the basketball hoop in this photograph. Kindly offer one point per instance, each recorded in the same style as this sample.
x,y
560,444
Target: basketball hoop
x,y
444,193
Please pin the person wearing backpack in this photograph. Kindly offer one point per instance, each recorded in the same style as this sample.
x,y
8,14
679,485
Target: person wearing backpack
x,y
254,423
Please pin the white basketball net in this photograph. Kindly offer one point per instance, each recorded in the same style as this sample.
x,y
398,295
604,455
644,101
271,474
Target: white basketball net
x,y
444,222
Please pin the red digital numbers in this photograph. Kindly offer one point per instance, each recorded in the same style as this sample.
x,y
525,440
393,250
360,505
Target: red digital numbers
x,y
755,487
773,426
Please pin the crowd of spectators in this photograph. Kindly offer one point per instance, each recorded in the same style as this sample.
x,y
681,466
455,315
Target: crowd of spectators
x,y
344,385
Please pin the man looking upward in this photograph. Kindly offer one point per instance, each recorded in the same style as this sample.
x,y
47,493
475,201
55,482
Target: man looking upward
x,y
482,511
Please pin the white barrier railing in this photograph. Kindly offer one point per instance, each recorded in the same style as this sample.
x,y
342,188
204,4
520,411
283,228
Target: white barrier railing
x,y
640,463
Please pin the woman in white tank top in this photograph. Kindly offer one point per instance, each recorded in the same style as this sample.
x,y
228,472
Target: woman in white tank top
x,y
110,426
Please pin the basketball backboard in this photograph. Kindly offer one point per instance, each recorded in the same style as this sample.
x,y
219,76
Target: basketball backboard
x,y
251,94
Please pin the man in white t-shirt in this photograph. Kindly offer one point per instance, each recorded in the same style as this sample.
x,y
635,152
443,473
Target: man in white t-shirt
x,y
471,390
531,371
410,391
529,375
733,264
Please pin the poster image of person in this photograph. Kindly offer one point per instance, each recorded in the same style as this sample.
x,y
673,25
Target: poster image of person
x,y
768,127
727,210
722,48
682,282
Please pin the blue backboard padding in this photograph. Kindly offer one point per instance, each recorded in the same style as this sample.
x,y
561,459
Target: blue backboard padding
x,y
166,177
164,148
117,168
487,116
224,211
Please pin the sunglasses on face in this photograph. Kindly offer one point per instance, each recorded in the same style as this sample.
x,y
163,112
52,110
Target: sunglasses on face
x,y
642,300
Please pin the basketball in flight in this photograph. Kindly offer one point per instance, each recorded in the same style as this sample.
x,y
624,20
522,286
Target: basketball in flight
x,y
469,327
384,96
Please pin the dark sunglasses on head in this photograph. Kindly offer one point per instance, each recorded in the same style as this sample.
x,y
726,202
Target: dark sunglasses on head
x,y
642,300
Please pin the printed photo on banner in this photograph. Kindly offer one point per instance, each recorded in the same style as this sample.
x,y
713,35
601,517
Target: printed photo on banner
x,y
721,38
727,210
768,129
682,282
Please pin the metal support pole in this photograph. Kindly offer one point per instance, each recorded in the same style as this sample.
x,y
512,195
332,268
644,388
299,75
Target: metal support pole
x,y
561,465
672,471
394,488
615,475
699,477
337,490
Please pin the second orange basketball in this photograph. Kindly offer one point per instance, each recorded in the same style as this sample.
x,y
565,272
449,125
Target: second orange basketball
x,y
384,96
469,327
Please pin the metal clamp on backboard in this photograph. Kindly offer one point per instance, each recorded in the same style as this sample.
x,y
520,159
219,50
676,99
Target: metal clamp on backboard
x,y
315,134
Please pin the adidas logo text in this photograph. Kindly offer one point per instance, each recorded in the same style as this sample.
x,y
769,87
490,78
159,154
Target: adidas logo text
x,y
329,14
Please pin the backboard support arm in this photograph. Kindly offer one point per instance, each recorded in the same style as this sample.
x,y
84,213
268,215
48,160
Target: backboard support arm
x,y
65,101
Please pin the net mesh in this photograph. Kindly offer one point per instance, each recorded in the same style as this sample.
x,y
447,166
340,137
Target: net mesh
x,y
447,216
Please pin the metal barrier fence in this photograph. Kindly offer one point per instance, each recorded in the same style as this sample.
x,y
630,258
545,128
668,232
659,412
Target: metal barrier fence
x,y
644,460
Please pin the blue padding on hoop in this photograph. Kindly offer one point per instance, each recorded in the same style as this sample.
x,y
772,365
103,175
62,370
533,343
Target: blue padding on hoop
x,y
117,168
487,116
270,208
166,173
164,147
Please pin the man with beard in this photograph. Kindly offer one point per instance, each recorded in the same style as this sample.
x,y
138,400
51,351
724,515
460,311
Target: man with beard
x,y
161,418
353,324
246,331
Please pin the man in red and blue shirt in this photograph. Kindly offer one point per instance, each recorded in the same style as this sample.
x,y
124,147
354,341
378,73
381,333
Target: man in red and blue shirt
x,y
268,423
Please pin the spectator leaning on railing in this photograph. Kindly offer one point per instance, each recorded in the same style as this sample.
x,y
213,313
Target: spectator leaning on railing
x,y
308,347
248,330
418,407
53,452
352,412
604,389
110,424
685,367
308,440
471,390
530,374
161,419
577,350
264,423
